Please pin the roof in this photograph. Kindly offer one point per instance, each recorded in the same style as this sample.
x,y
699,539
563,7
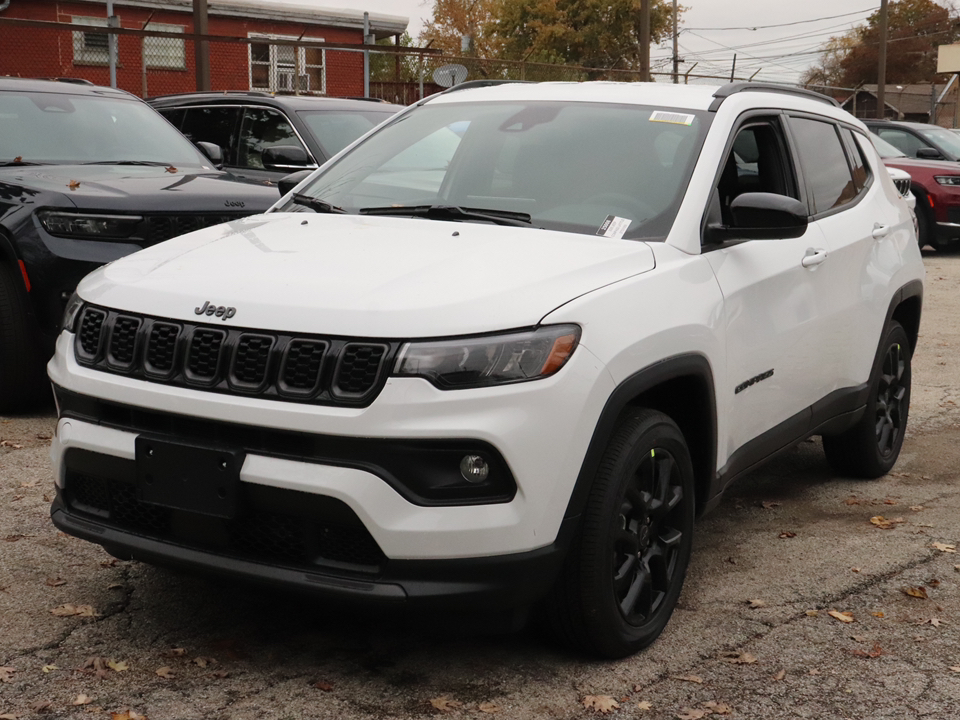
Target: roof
x,y
64,87
293,102
381,24
911,99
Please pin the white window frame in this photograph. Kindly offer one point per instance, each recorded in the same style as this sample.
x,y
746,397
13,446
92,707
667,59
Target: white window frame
x,y
164,53
300,74
83,55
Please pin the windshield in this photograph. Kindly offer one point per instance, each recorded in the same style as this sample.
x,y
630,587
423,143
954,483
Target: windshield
x,y
335,129
885,149
592,168
75,129
944,138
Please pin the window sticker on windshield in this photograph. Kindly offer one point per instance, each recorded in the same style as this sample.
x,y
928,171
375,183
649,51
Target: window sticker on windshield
x,y
614,227
671,117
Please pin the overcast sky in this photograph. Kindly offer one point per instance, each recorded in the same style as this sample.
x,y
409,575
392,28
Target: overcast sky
x,y
783,55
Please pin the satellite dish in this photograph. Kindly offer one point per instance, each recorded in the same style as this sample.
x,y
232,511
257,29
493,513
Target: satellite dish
x,y
449,75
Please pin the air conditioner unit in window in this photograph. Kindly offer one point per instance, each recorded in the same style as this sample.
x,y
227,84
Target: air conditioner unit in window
x,y
285,80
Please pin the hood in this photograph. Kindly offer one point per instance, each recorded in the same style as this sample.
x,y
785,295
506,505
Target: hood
x,y
375,277
144,188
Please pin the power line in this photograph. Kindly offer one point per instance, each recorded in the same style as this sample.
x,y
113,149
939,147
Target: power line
x,y
798,22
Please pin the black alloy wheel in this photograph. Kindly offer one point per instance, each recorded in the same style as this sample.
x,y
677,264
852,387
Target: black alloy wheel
x,y
625,569
871,447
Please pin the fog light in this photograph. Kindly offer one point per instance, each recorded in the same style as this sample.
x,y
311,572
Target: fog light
x,y
474,468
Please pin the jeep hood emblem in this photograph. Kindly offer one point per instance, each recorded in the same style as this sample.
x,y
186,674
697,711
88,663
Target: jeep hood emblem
x,y
220,311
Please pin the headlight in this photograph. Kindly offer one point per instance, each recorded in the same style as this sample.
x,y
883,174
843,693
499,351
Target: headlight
x,y
947,179
74,306
491,359
84,225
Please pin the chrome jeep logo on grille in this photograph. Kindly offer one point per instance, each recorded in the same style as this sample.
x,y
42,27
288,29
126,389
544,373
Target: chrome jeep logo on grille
x,y
220,311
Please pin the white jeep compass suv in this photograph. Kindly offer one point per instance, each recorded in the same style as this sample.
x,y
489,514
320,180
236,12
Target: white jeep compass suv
x,y
499,352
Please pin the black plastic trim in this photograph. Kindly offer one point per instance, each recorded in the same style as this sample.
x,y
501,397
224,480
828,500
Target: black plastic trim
x,y
482,583
737,87
424,472
679,366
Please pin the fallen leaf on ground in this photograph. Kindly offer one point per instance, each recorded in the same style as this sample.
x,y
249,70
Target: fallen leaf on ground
x,y
82,699
955,668
49,668
943,547
854,569
812,613
44,436
96,664
174,652
736,658
877,614
852,500
691,714
8,716
112,562
203,661
41,706
936,622
757,603
127,715
780,675
786,534
445,704
221,674
165,672
933,582
881,522
688,678
10,444
117,665
5,673
70,610
644,705
917,508
769,505
600,703
876,652
718,708
55,582
323,685
488,707
846,617
917,592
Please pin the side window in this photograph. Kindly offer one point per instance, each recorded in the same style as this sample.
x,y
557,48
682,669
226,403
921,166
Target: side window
x,y
829,180
217,125
174,115
758,162
858,165
263,128
905,142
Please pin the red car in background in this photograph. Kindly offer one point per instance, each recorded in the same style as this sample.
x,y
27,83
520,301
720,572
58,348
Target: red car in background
x,y
936,184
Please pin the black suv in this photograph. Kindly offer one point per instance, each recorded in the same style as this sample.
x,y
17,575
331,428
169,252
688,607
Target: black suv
x,y
265,137
88,174
919,140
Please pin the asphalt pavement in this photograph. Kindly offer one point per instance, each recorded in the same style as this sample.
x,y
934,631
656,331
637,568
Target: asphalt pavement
x,y
809,596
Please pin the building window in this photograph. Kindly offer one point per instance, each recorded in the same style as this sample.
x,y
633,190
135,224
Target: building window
x,y
164,52
286,68
90,48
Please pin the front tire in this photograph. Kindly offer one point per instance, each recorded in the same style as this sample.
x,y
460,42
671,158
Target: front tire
x,y
626,568
871,447
21,369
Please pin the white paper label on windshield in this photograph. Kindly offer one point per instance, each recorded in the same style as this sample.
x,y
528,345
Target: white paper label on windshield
x,y
671,117
614,227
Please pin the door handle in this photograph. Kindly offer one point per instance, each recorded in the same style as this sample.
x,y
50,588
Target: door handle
x,y
880,231
813,257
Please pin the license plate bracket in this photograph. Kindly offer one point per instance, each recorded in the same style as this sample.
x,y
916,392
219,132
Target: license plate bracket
x,y
183,476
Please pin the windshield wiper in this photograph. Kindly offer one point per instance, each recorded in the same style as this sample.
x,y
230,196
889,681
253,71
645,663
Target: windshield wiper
x,y
17,163
128,162
316,204
454,212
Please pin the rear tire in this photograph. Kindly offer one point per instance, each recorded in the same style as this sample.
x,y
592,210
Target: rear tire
x,y
871,447
21,371
626,567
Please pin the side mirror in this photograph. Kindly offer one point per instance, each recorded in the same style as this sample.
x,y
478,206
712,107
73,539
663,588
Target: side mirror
x,y
213,153
929,153
284,157
289,182
761,216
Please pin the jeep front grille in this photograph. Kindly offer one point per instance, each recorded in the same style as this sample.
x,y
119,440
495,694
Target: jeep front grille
x,y
903,186
280,366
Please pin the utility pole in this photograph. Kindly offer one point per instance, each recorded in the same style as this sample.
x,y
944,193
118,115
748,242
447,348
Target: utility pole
x,y
366,55
645,41
201,48
112,21
882,63
676,58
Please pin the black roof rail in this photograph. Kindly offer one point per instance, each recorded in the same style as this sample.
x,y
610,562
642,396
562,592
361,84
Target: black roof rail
x,y
470,84
362,97
72,80
736,87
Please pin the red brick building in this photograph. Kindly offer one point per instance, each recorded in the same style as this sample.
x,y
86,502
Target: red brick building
x,y
162,65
